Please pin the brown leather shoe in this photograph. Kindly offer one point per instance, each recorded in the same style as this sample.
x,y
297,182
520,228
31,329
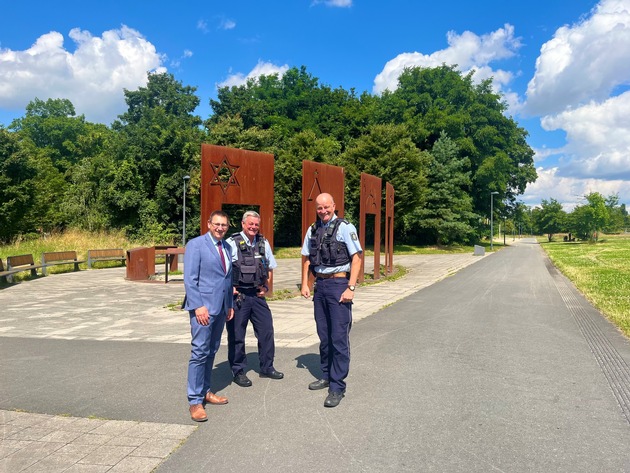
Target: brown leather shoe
x,y
212,398
197,413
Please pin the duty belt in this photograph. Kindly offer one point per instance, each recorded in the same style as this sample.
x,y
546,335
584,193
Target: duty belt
x,y
248,291
331,275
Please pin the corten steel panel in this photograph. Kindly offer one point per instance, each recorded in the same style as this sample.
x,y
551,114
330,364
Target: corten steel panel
x,y
389,228
371,204
318,178
140,263
237,176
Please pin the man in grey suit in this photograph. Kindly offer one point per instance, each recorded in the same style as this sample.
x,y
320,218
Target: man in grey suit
x,y
208,283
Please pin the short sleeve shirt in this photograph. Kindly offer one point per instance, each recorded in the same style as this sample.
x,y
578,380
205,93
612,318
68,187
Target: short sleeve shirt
x,y
346,233
271,261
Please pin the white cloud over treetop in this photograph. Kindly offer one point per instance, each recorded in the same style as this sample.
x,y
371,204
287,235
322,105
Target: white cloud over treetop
x,y
261,69
583,62
92,77
598,138
468,51
569,190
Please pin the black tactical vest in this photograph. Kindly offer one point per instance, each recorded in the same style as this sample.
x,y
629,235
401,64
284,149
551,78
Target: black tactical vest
x,y
250,270
324,249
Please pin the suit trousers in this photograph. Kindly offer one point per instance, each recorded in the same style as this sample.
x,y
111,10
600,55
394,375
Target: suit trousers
x,y
206,340
333,320
252,308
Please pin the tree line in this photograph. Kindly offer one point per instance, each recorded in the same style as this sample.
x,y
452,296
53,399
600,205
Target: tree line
x,y
443,142
596,214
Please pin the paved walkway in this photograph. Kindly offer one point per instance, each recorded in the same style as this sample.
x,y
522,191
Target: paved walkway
x,y
99,305
501,366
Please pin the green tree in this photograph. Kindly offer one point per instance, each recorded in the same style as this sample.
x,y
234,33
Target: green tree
x,y
159,141
304,146
616,215
292,103
551,218
590,218
52,125
385,151
522,216
17,192
432,100
445,214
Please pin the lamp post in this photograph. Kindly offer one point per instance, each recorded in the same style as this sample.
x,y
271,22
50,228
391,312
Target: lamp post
x,y
186,177
492,194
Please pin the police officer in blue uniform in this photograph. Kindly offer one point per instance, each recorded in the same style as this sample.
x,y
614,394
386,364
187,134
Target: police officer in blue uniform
x,y
332,251
253,263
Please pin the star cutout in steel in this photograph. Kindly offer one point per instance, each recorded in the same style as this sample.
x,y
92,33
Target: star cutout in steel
x,y
224,174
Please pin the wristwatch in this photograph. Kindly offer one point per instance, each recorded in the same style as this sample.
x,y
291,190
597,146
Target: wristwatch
x,y
352,288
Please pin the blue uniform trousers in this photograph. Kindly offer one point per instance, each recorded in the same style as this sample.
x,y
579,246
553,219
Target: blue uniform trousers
x,y
206,340
333,320
252,308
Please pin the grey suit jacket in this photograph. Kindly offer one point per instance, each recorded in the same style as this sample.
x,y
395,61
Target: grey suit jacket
x,y
204,279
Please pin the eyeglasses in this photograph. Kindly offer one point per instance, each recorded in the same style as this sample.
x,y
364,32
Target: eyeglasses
x,y
219,225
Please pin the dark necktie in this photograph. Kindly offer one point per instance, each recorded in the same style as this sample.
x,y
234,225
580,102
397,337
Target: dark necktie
x,y
222,257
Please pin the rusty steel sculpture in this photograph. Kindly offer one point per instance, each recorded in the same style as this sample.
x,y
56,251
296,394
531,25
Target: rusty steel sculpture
x,y
370,205
237,176
318,178
389,228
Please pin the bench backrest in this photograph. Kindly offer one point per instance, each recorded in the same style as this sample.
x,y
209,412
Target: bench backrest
x,y
161,249
19,260
110,253
59,256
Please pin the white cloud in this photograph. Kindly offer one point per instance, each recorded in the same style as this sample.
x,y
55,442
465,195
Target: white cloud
x,y
202,25
92,77
227,24
570,191
598,136
543,153
261,69
583,62
578,88
333,3
468,51
185,55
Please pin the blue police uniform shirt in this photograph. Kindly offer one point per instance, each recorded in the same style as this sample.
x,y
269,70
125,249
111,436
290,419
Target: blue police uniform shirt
x,y
271,261
347,233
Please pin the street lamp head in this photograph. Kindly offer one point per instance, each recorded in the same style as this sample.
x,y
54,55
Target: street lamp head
x,y
493,193
186,177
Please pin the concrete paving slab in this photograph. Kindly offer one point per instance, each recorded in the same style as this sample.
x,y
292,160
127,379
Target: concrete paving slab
x,y
496,368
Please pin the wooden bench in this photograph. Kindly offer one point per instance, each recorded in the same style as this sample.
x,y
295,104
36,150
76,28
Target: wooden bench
x,y
162,251
18,263
114,254
60,257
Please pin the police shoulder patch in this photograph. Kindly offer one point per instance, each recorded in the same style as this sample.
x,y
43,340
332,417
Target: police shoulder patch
x,y
354,236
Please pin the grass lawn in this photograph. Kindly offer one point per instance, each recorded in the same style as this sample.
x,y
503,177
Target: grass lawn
x,y
600,270
70,240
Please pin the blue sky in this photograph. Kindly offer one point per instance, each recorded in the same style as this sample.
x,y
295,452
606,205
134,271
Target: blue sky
x,y
563,66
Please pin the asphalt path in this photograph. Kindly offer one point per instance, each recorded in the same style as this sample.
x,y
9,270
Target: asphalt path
x,y
500,367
